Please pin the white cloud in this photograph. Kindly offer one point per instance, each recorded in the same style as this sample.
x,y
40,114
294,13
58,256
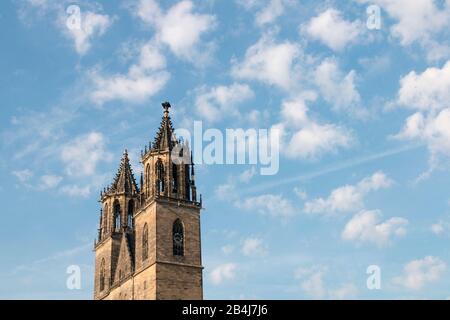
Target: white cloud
x,y
179,28
437,228
337,88
273,10
49,182
345,292
440,228
76,191
417,20
315,140
247,175
418,273
227,249
268,204
300,193
223,272
433,130
23,175
266,11
92,25
82,29
313,284
425,22
226,191
82,154
269,62
427,91
348,198
144,79
367,226
305,138
332,30
219,102
253,247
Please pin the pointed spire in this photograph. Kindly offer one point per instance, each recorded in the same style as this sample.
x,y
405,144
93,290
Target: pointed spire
x,y
164,137
124,180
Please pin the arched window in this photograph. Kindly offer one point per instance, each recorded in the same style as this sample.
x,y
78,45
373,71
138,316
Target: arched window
x,y
105,220
174,178
117,216
130,213
187,181
160,177
147,180
102,275
178,238
145,243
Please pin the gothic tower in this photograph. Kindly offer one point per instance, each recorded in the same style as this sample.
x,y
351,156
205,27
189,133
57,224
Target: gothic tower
x,y
149,242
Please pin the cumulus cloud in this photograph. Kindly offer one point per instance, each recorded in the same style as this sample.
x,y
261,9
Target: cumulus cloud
x,y
223,272
83,153
49,182
80,24
306,138
434,131
253,246
421,272
144,79
420,21
367,227
416,20
76,191
23,175
429,90
180,28
330,28
219,102
312,282
270,62
337,88
440,228
429,93
92,25
348,198
268,204
266,11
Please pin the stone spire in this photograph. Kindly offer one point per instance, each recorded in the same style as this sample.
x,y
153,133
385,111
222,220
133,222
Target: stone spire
x,y
124,181
164,137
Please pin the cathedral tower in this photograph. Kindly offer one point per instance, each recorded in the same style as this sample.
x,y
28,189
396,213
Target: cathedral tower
x,y
149,242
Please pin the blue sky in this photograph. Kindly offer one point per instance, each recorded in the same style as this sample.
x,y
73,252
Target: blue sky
x,y
364,116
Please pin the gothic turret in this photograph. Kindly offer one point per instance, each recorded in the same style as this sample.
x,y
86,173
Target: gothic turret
x,y
165,136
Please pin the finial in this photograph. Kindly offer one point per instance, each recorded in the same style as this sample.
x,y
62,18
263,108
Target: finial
x,y
166,105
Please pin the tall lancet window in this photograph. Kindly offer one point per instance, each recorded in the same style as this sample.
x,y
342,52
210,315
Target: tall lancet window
x,y
174,178
116,216
102,275
148,180
105,220
178,238
160,176
130,213
187,180
145,243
